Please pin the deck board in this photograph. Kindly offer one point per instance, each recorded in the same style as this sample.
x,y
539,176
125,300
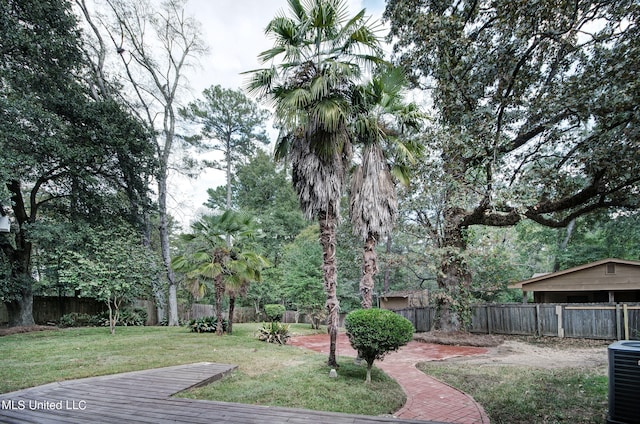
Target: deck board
x,y
145,397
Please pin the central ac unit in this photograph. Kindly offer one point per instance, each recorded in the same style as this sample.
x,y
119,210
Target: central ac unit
x,y
624,382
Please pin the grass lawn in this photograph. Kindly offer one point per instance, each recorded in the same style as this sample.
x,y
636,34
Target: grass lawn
x,y
268,374
517,394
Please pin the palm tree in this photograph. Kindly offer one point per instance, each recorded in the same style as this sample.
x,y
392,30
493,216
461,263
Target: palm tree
x,y
322,55
381,121
213,262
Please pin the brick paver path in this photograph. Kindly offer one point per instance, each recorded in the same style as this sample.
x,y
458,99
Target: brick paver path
x,y
427,398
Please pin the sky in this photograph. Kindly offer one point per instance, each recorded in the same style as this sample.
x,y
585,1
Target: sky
x,y
234,31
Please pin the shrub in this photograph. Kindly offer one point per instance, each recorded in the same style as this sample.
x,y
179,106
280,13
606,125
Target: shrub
x,y
133,317
274,332
274,311
207,325
375,332
75,319
129,317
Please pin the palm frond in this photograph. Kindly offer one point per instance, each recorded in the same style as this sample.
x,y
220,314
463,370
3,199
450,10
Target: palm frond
x,y
296,99
283,146
373,204
331,113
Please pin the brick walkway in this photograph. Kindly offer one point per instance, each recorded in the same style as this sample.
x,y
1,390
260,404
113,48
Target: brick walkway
x,y
427,398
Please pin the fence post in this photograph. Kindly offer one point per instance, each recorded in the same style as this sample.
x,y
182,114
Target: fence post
x,y
488,320
559,310
618,323
538,321
625,316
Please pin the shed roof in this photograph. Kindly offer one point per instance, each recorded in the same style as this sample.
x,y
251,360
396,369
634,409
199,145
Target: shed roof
x,y
404,293
586,277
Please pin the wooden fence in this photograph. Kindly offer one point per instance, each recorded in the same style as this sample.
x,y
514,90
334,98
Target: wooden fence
x,y
589,321
48,309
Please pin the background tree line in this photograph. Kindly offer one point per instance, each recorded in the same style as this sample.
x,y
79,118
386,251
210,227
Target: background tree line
x,y
526,164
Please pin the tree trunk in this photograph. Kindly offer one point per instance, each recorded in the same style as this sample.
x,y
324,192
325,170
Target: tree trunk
x,y
369,270
368,379
165,248
20,311
327,222
112,319
156,284
454,278
219,287
232,308
387,269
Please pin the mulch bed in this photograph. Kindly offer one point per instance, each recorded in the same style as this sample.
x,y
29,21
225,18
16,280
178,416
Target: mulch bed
x,y
459,338
462,338
7,331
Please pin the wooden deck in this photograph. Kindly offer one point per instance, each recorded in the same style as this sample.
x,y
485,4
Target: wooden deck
x,y
145,397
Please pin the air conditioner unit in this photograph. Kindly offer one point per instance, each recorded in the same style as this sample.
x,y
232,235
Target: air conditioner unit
x,y
624,382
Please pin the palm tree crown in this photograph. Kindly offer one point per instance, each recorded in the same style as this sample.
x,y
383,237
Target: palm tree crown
x,y
380,124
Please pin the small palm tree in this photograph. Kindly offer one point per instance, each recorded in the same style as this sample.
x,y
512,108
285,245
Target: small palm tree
x,y
380,125
322,53
215,259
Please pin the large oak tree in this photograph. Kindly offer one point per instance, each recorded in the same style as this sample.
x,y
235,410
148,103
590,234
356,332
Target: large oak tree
x,y
537,114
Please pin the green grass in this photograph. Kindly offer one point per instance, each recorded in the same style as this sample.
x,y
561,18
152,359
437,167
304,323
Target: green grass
x,y
305,384
268,374
515,394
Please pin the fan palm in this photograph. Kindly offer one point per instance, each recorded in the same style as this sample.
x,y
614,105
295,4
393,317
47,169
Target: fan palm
x,y
380,125
322,53
212,261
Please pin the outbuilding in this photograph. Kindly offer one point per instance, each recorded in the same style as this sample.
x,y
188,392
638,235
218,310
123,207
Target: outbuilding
x,y
404,299
605,281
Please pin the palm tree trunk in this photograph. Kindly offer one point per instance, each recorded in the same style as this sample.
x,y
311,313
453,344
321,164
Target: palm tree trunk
x,y
219,287
232,307
369,270
387,269
327,220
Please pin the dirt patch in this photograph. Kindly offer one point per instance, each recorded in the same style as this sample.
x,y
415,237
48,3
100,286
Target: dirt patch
x,y
534,352
7,331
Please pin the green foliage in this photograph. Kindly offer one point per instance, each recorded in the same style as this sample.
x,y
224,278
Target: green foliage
x,y
601,236
129,317
72,153
207,325
113,267
274,312
274,332
376,332
231,123
76,319
302,276
218,254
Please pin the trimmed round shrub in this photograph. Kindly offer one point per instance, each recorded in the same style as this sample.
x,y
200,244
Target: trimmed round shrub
x,y
274,312
376,332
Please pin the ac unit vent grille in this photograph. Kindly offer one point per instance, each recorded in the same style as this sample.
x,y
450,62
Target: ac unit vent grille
x,y
624,382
